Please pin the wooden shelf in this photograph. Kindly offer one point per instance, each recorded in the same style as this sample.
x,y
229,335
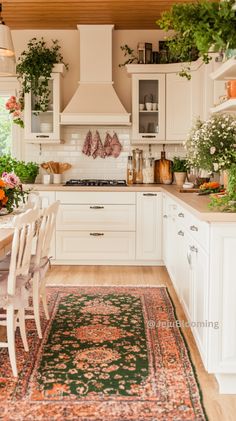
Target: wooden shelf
x,y
147,111
229,105
226,71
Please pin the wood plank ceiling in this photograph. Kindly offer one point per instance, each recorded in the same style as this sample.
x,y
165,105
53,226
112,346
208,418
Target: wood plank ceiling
x,y
66,14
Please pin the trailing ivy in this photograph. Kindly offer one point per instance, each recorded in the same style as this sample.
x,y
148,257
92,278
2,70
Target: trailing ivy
x,y
34,68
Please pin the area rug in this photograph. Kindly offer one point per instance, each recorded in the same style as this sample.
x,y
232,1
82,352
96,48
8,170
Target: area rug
x,y
107,354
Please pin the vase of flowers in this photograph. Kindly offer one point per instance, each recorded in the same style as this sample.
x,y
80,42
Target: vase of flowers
x,y
211,144
11,192
15,108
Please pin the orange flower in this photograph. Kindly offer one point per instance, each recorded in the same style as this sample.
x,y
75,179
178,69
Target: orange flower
x,y
4,200
2,194
2,183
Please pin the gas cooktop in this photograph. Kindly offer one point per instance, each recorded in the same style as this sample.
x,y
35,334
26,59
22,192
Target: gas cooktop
x,y
91,182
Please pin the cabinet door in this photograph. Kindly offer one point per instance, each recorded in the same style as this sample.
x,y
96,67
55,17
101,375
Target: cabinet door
x,y
183,104
47,198
149,226
44,125
148,108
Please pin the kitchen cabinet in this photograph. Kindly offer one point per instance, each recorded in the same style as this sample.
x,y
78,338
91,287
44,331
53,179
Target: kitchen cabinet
x,y
44,127
179,102
149,226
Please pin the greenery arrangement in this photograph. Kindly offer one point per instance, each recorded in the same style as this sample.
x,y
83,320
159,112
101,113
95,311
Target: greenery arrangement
x,y
227,202
34,68
132,58
211,145
179,164
199,28
26,171
11,192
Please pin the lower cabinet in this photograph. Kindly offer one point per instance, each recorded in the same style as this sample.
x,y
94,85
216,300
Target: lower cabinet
x,y
149,226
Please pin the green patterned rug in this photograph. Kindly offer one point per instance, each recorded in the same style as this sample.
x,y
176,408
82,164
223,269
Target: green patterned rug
x,y
104,356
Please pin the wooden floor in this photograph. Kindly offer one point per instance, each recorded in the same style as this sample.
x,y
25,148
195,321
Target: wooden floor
x,y
218,407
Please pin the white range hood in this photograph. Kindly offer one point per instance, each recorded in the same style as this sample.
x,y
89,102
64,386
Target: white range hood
x,y
95,101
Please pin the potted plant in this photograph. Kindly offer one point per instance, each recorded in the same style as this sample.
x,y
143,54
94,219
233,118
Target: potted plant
x,y
179,168
201,27
226,202
26,171
34,68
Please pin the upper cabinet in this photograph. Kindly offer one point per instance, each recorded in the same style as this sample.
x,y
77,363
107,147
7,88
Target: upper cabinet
x,y
44,127
227,71
164,105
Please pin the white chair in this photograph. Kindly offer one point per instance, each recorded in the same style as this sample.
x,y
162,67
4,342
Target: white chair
x,y
14,282
40,262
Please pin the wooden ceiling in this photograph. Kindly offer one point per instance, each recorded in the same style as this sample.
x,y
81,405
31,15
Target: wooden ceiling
x,y
66,14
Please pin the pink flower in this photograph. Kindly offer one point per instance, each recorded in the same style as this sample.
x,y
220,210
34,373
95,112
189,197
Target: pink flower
x,y
11,180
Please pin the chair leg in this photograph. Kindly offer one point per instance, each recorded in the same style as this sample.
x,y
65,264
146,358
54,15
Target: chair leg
x,y
36,301
21,315
11,338
44,301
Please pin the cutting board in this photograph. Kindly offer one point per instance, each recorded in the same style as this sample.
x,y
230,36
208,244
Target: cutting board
x,y
189,190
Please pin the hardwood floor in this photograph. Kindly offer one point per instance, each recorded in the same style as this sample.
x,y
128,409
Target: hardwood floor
x,y
218,407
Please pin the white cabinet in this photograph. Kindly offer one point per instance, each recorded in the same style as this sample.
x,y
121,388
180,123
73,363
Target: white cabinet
x,y
149,226
226,71
148,124
44,127
96,227
179,100
183,104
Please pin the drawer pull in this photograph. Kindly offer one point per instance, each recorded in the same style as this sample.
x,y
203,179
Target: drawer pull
x,y
181,233
193,248
96,234
181,215
42,136
96,207
165,216
194,228
149,194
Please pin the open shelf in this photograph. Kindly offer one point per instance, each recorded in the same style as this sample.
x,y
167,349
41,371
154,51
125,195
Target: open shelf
x,y
226,71
44,141
229,105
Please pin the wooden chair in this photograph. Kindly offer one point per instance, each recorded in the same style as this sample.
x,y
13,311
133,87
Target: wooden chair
x,y
14,282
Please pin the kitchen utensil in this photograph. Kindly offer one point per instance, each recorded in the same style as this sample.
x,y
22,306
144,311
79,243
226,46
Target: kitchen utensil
x,y
163,169
138,165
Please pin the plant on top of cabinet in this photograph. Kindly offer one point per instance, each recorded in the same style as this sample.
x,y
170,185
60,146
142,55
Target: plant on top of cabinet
x,y
200,26
211,144
34,69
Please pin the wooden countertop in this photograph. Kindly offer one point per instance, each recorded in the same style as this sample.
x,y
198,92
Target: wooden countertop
x,y
196,204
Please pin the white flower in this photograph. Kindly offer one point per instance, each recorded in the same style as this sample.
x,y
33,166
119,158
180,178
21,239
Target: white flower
x,y
212,150
215,166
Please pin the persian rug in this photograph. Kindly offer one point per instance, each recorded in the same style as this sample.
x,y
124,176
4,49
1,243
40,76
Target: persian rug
x,y
107,354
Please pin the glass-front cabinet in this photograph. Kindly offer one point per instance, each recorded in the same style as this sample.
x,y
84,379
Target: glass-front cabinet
x,y
44,126
148,108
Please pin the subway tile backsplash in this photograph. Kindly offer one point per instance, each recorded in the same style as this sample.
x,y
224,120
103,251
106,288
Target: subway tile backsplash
x,y
88,167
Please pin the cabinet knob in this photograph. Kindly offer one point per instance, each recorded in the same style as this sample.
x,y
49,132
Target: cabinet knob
x,y
149,194
96,234
181,233
193,248
193,228
165,216
96,207
181,215
189,259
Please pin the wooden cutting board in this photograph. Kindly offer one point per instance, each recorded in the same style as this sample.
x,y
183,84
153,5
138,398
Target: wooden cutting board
x,y
189,190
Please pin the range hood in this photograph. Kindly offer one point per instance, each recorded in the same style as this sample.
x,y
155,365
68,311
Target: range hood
x,y
95,101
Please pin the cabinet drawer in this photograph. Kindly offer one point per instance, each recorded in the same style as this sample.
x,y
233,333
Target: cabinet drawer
x,y
96,217
199,230
95,197
95,245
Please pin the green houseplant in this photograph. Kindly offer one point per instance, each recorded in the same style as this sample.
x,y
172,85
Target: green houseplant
x,y
179,168
34,68
200,27
26,171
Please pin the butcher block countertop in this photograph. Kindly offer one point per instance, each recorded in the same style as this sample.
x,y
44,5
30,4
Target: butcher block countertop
x,y
196,204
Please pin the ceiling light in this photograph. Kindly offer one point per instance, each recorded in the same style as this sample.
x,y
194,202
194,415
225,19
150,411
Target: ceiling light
x,y
7,54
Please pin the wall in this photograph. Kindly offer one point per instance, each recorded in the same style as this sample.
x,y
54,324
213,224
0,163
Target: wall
x,y
70,151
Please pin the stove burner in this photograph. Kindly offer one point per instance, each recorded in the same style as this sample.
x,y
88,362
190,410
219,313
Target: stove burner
x,y
91,182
